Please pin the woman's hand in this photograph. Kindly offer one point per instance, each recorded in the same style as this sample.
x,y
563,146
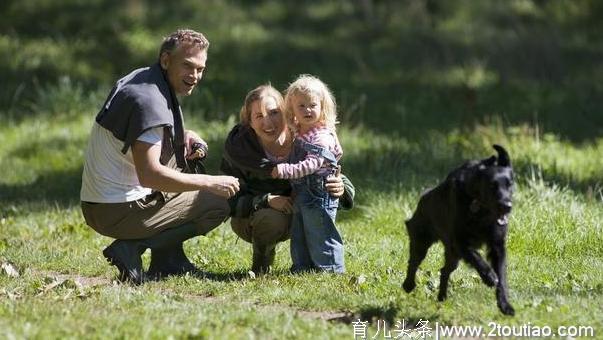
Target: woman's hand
x,y
334,186
280,203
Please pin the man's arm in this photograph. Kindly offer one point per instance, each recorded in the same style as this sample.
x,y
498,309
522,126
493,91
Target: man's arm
x,y
245,203
152,174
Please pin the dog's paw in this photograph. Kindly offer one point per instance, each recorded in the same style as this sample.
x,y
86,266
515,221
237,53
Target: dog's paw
x,y
490,279
506,308
442,296
409,285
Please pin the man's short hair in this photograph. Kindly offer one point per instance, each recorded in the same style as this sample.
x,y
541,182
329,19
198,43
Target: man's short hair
x,y
183,36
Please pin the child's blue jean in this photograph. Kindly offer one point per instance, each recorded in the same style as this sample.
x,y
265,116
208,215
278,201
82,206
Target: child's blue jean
x,y
315,241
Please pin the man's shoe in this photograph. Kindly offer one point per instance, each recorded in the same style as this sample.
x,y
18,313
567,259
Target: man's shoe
x,y
125,255
169,261
167,254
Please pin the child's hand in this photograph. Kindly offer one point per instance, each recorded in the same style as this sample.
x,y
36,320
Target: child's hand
x,y
274,173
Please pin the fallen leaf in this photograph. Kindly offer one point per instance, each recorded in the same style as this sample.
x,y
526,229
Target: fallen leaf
x,y
358,280
52,285
9,269
14,295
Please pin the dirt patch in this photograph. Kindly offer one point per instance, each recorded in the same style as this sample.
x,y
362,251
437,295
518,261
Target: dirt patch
x,y
85,281
56,279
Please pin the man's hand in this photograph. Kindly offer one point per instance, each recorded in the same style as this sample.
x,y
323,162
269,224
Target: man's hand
x,y
191,137
224,186
152,174
334,186
280,203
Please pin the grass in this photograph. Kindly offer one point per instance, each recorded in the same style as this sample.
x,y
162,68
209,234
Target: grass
x,y
66,289
421,86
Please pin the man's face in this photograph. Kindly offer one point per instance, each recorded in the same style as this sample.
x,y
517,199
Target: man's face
x,y
184,67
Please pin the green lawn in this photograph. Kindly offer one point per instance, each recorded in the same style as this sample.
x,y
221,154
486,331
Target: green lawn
x,y
421,85
66,290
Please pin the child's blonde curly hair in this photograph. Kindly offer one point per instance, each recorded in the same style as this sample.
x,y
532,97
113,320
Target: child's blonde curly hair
x,y
310,86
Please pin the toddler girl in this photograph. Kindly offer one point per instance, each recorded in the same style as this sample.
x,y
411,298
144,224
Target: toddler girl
x,y
315,241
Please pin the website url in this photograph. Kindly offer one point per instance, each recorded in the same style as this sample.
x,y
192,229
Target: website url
x,y
527,330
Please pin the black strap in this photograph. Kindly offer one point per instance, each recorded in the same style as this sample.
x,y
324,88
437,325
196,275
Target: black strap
x,y
178,144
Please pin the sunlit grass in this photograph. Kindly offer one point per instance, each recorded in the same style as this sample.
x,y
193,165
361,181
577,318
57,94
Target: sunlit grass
x,y
555,257
421,86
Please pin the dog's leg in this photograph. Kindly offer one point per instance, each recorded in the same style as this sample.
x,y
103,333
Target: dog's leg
x,y
451,263
418,251
499,262
419,243
483,269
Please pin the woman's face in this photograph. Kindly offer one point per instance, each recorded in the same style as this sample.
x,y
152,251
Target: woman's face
x,y
270,125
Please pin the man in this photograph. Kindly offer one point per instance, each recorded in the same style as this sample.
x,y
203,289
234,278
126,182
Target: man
x,y
133,189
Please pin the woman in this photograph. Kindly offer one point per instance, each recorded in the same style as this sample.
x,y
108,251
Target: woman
x,y
261,211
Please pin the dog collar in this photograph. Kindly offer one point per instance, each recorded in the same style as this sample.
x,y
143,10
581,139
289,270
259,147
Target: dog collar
x,y
504,220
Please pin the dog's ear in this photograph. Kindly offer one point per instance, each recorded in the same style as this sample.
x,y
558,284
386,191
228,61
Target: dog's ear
x,y
486,162
503,155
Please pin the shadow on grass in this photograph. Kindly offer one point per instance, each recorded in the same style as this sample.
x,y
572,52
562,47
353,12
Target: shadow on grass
x,y
58,187
233,275
236,275
390,315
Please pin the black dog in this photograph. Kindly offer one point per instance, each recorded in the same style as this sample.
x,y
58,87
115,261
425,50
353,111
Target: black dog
x,y
471,207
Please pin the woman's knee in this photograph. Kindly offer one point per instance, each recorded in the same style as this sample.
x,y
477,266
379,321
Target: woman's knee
x,y
241,227
270,226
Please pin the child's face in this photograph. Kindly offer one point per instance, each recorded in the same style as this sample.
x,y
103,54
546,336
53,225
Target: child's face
x,y
270,125
307,110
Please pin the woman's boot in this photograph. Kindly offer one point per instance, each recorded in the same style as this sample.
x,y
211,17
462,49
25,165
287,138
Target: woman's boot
x,y
262,258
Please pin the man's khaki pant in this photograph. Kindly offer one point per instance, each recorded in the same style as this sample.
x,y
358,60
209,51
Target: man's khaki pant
x,y
155,213
264,227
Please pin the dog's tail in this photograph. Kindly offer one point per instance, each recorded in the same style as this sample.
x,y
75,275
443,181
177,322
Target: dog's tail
x,y
503,155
